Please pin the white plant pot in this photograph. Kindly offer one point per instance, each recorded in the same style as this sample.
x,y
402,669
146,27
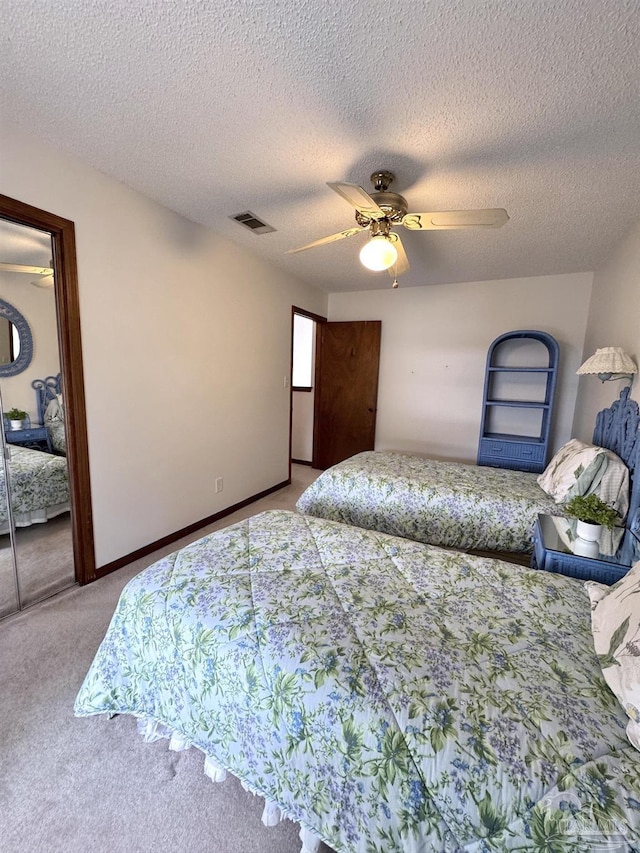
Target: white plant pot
x,y
585,547
590,532
15,424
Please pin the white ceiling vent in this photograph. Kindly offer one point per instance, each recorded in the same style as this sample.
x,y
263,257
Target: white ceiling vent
x,y
251,221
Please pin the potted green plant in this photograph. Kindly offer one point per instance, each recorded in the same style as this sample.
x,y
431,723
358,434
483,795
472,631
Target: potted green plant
x,y
592,515
16,418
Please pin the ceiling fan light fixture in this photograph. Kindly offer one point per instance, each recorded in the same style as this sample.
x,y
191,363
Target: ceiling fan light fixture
x,y
45,281
378,254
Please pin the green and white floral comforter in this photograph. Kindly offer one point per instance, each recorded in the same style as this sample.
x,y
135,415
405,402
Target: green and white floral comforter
x,y
39,484
391,696
442,503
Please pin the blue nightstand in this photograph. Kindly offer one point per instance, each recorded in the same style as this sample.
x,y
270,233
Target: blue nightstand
x,y
556,549
37,438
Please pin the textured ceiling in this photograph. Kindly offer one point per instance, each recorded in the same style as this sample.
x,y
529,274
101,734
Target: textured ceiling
x,y
22,245
253,105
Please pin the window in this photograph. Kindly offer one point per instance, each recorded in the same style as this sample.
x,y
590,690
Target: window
x,y
304,329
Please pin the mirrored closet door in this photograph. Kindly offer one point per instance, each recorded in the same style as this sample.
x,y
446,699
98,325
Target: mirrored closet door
x,y
45,539
9,598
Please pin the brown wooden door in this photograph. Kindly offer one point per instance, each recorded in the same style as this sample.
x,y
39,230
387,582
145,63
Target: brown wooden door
x,y
347,361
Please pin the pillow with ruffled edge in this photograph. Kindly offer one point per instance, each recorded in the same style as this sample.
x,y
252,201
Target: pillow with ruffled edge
x,y
54,410
615,625
576,469
613,488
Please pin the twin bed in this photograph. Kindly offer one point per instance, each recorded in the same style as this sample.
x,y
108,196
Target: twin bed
x,y
444,503
477,507
386,694
38,482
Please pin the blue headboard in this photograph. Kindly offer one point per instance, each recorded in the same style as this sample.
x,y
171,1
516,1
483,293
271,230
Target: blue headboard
x,y
617,429
46,390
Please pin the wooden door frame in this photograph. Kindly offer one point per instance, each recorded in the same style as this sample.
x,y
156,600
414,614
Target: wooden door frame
x,y
70,345
318,319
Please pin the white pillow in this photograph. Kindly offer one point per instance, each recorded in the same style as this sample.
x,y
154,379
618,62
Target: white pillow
x,y
615,625
576,469
613,488
54,410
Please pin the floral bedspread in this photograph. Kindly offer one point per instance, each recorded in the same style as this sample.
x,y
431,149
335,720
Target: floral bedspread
x,y
442,503
390,696
38,480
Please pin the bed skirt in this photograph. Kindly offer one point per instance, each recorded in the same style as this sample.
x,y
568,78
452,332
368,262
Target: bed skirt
x,y
36,516
153,730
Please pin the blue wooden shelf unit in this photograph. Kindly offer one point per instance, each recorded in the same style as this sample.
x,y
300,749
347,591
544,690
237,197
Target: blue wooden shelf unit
x,y
519,391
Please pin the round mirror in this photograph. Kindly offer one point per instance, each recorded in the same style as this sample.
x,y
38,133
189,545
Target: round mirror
x,y
16,344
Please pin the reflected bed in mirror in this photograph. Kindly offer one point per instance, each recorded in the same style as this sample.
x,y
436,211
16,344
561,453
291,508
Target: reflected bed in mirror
x,y
39,487
50,409
16,343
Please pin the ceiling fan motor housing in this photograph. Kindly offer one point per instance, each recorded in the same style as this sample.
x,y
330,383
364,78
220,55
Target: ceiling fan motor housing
x,y
394,206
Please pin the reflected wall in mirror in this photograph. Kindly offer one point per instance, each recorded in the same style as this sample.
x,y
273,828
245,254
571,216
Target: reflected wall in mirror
x,y
35,509
6,342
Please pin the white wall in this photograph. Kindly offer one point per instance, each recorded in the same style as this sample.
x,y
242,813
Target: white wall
x,y
302,425
434,346
37,305
186,343
614,320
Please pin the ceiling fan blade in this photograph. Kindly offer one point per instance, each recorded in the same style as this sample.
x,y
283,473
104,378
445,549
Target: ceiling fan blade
x,y
348,232
23,268
490,218
402,264
358,198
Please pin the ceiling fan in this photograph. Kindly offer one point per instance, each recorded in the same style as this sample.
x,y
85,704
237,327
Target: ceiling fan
x,y
382,210
45,273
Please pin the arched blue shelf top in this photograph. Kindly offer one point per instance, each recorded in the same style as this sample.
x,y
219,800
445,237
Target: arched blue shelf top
x,y
529,334
10,313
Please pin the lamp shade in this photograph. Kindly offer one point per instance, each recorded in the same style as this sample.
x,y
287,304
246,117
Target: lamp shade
x,y
378,254
608,361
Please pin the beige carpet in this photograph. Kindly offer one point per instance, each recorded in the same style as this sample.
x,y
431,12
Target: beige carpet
x,y
92,785
44,557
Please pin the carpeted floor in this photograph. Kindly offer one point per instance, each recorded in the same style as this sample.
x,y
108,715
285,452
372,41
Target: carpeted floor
x,y
92,785
44,561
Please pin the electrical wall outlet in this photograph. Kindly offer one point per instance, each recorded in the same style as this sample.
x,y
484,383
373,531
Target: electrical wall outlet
x,y
219,484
